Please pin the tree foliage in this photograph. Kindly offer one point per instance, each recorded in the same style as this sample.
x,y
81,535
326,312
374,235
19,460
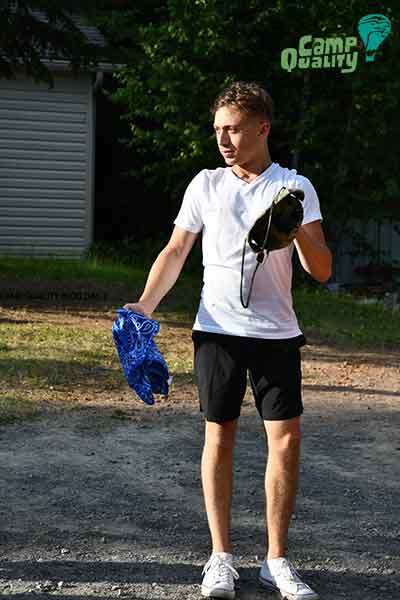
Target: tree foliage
x,y
339,129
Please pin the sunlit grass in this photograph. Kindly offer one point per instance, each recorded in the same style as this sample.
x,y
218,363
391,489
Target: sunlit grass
x,y
41,353
63,360
343,319
65,357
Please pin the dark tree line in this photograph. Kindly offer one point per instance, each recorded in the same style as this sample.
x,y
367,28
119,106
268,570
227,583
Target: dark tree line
x,y
339,129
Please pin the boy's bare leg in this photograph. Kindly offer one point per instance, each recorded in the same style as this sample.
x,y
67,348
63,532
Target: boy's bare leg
x,y
216,471
281,481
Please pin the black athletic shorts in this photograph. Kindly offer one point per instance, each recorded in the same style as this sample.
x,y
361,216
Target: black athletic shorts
x,y
221,363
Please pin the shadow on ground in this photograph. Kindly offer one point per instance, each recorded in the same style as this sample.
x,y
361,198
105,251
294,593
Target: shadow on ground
x,y
123,500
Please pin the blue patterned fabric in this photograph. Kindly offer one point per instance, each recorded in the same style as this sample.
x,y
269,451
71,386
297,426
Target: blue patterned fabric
x,y
144,366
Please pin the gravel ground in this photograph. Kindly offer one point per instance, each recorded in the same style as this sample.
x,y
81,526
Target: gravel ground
x,y
97,507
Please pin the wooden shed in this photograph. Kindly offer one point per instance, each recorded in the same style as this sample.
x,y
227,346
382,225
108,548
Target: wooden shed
x,y
47,154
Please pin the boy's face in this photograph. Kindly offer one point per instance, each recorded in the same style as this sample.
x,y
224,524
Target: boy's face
x,y
241,138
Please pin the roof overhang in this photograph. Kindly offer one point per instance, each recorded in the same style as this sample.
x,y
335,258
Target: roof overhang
x,y
65,65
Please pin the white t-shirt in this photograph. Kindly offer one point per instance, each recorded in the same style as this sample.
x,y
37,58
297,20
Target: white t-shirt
x,y
224,208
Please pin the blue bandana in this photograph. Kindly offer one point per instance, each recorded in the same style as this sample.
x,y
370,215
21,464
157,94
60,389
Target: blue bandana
x,y
144,366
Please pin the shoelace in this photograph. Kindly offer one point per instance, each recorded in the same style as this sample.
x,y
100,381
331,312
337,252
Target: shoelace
x,y
224,569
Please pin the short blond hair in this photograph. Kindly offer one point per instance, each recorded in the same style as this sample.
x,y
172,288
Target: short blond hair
x,y
249,97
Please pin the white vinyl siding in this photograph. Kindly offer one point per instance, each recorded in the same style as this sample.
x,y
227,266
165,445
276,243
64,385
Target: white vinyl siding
x,y
46,167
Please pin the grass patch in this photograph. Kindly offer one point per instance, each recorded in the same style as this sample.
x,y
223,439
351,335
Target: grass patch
x,y
16,408
118,263
26,280
67,358
343,319
41,354
90,269
337,318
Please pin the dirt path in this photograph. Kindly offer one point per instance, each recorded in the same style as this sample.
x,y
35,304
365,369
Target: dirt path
x,y
97,507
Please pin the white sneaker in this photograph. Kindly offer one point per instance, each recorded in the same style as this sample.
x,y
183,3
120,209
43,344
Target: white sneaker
x,y
279,574
219,576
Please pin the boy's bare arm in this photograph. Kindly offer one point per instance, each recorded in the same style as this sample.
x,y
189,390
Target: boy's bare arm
x,y
164,271
314,254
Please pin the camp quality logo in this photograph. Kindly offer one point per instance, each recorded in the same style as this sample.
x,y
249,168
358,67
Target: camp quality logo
x,y
318,53
338,52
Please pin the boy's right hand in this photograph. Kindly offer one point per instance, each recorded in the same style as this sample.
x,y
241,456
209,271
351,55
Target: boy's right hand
x,y
139,308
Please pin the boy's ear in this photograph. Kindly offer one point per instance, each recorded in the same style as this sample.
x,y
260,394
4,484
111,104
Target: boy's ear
x,y
265,127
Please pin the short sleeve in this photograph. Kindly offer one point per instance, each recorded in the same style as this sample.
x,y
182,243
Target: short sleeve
x,y
312,211
190,215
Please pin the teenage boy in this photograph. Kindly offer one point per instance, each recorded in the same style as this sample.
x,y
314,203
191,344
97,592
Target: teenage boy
x,y
231,341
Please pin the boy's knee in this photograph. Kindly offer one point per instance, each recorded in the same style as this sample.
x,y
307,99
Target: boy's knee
x,y
220,435
288,442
